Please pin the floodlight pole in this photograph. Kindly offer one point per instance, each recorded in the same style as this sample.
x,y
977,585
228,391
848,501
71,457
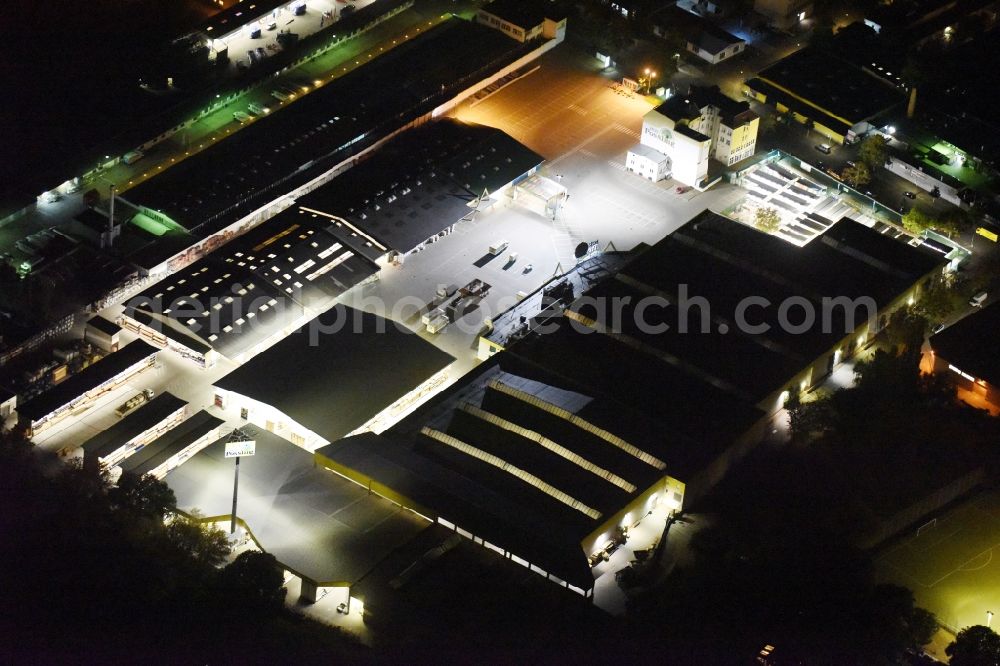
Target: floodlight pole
x,y
236,486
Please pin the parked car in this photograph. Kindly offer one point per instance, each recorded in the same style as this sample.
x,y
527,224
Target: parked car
x,y
937,328
280,95
241,117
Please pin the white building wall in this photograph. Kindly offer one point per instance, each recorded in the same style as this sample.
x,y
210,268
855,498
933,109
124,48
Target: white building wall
x,y
654,170
688,157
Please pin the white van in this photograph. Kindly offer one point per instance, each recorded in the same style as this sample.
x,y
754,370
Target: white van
x,y
823,148
498,247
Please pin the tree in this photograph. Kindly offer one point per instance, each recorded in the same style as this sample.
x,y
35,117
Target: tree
x,y
874,151
906,329
145,495
975,646
767,220
923,624
916,221
893,612
940,298
199,541
254,578
857,175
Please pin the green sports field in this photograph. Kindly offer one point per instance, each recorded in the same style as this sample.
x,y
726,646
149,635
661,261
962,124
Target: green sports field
x,y
953,564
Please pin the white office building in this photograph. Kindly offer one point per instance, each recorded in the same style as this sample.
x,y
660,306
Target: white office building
x,y
680,135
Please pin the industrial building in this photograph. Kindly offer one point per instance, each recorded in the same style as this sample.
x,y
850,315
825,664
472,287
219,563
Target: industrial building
x,y
680,135
225,189
252,291
333,376
165,453
134,431
523,22
836,97
539,474
265,283
713,44
103,334
703,38
722,266
965,353
323,529
423,182
82,390
589,420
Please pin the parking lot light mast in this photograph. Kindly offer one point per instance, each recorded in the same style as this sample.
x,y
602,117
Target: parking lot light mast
x,y
238,445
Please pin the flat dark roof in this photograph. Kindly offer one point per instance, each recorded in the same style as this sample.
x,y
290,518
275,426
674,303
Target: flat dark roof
x,y
337,371
836,86
170,443
970,344
691,133
217,186
423,181
528,531
724,263
132,425
486,409
104,326
642,396
89,378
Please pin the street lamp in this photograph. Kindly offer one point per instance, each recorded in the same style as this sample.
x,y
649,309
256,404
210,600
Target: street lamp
x,y
650,75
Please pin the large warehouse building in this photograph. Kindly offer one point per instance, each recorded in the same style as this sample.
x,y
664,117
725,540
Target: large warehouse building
x,y
332,377
263,285
539,474
82,390
230,186
578,430
422,183
252,291
812,86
